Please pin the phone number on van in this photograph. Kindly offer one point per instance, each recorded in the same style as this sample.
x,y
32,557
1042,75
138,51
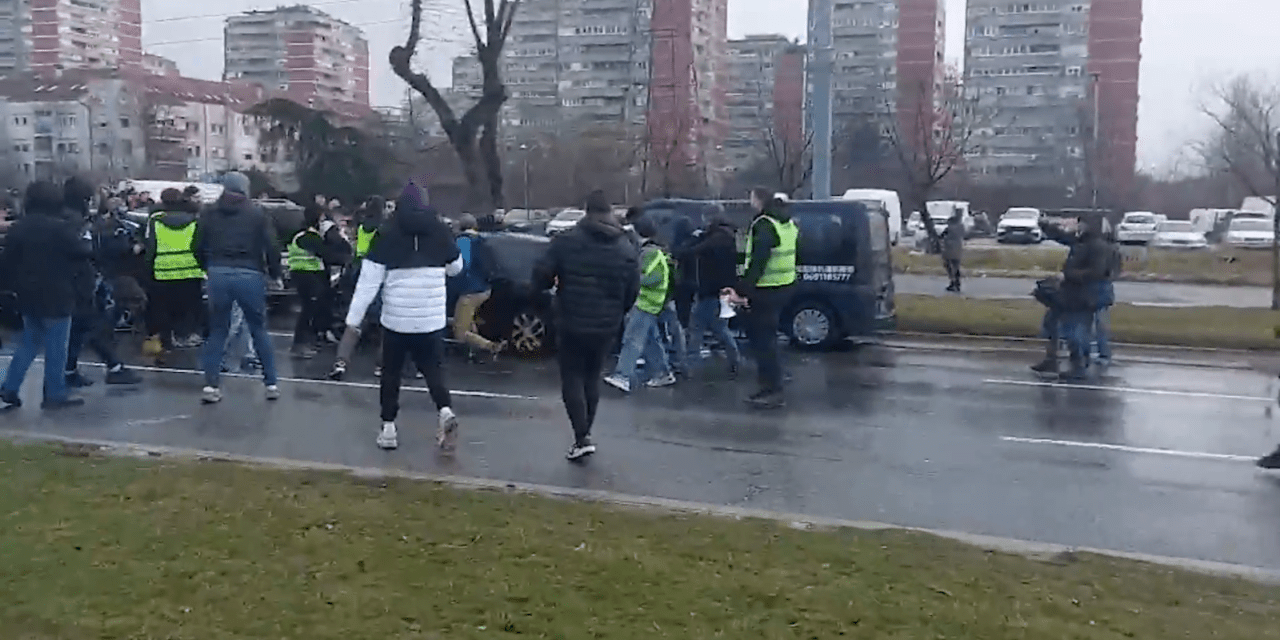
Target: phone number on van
x,y
834,273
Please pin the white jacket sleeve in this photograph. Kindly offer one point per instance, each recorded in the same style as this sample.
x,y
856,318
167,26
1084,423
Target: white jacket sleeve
x,y
372,275
453,268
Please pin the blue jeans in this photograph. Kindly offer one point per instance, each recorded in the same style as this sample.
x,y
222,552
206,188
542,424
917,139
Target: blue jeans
x,y
239,342
669,323
706,317
1102,332
641,336
52,335
246,288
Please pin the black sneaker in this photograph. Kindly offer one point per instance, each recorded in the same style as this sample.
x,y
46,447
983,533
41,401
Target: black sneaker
x,y
10,400
580,450
77,381
1270,463
65,403
1046,366
123,376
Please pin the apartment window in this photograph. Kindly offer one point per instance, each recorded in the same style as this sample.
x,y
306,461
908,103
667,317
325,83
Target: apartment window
x,y
20,121
124,123
73,147
248,157
126,146
1073,71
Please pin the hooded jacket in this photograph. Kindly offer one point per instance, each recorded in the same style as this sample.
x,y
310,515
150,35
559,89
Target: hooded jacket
x,y
715,258
595,268
765,239
409,263
1087,266
235,233
44,260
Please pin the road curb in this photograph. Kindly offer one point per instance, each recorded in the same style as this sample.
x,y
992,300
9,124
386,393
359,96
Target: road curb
x,y
952,343
1034,550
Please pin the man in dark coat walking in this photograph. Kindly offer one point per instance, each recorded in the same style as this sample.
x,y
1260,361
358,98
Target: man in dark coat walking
x,y
595,270
41,253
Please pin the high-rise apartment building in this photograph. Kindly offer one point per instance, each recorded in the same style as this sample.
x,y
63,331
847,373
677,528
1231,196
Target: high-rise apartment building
x,y
765,99
648,69
305,53
570,65
888,58
50,36
1059,79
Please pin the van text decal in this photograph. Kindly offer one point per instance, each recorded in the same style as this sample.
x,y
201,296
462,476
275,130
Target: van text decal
x,y
828,273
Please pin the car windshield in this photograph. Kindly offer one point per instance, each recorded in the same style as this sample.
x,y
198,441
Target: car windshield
x,y
1176,227
1250,225
1141,218
1021,214
570,216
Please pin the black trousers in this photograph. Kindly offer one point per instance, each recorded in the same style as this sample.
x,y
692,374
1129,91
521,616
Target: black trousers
x,y
582,359
313,291
174,306
953,270
762,334
91,330
427,351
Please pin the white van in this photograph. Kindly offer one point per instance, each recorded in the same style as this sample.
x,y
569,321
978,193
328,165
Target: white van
x,y
942,210
887,201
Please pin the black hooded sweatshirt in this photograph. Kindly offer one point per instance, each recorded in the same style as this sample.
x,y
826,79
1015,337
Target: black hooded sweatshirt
x,y
595,268
715,256
235,233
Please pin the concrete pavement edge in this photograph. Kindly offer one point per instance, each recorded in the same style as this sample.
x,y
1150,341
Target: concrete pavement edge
x,y
1041,551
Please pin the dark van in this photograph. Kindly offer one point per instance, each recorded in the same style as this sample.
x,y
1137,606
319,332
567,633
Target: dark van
x,y
845,285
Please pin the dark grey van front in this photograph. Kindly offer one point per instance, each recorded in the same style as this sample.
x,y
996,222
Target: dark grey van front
x,y
845,274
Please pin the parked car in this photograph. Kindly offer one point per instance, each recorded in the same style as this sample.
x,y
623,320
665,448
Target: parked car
x,y
1178,234
1020,224
515,312
565,220
1137,227
843,260
1251,233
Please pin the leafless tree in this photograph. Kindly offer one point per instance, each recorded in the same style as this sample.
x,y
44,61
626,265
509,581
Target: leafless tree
x,y
474,135
931,138
1246,143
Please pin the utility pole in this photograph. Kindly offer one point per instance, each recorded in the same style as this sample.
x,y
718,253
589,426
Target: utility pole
x,y
819,72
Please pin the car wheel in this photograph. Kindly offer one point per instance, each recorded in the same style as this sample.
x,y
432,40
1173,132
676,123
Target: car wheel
x,y
813,326
529,333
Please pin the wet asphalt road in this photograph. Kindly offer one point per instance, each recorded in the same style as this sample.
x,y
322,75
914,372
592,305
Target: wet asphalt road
x,y
1152,458
1141,293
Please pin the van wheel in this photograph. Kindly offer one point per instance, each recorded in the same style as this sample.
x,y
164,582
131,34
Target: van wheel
x,y
813,326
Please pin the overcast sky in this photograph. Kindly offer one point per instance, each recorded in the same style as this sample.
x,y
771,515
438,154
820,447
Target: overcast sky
x,y
1186,45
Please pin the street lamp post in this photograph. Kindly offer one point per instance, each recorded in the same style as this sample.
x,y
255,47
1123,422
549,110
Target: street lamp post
x,y
524,148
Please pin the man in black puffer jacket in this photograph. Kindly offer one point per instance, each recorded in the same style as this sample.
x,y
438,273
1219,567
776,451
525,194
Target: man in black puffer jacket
x,y
715,255
595,270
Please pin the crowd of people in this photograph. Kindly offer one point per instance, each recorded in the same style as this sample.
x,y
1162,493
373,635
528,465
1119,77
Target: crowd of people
x,y
198,275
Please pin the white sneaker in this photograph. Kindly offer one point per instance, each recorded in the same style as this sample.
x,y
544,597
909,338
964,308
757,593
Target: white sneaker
x,y
618,382
273,392
211,395
581,450
447,434
387,437
661,381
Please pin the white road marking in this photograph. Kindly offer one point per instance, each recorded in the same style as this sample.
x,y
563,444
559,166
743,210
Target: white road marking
x,y
331,383
1127,449
154,421
1137,390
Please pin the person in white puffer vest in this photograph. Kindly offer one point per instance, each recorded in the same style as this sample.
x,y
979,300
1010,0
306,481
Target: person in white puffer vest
x,y
410,262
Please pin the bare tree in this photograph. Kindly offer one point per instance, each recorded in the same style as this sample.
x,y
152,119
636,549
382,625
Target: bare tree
x,y
931,138
1246,143
474,135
